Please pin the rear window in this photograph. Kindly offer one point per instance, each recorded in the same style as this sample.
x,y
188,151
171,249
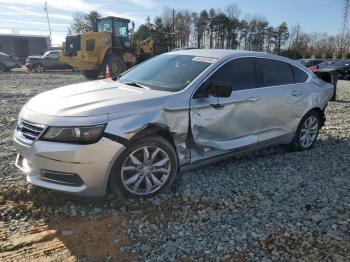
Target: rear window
x,y
275,72
299,75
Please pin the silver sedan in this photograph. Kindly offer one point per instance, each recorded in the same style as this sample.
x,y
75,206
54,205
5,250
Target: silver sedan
x,y
177,111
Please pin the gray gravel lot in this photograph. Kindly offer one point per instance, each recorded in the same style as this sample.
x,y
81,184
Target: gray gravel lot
x,y
268,205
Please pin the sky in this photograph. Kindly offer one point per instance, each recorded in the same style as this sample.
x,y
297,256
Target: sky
x,y
28,16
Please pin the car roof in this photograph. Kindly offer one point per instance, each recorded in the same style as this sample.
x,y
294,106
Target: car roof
x,y
228,53
213,53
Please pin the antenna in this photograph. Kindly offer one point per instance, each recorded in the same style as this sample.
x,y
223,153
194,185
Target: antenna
x,y
48,21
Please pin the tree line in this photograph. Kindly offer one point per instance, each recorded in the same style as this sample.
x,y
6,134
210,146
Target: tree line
x,y
229,29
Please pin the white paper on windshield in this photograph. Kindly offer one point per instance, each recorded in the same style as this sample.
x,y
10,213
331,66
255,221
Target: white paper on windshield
x,y
203,59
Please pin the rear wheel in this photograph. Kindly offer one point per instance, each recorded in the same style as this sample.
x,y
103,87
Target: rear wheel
x,y
145,168
307,132
90,74
2,68
39,68
115,63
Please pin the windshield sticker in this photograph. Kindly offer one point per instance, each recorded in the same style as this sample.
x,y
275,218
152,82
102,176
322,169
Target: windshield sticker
x,y
208,60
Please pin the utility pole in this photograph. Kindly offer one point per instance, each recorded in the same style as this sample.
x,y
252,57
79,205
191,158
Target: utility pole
x,y
48,21
173,28
344,28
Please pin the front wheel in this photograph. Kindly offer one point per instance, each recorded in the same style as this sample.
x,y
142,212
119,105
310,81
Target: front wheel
x,y
145,168
90,74
115,63
307,132
39,68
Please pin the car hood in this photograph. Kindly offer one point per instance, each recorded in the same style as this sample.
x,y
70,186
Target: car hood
x,y
95,98
34,57
332,67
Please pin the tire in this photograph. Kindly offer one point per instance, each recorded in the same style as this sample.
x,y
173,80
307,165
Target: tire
x,y
137,177
115,63
2,68
90,74
308,129
39,68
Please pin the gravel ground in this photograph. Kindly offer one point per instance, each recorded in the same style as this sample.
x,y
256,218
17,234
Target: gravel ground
x,y
272,205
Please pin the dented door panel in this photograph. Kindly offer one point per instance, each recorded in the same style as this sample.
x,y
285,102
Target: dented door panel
x,y
233,124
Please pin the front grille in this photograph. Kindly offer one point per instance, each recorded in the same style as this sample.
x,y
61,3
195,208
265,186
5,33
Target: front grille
x,y
28,132
72,45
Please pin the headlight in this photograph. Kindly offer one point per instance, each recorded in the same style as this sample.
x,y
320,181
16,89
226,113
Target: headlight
x,y
76,135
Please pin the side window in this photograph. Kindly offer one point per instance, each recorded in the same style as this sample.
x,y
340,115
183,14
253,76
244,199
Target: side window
x,y
239,72
54,55
299,75
275,72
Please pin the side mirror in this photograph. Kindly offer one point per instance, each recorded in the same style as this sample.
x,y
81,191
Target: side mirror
x,y
215,89
220,89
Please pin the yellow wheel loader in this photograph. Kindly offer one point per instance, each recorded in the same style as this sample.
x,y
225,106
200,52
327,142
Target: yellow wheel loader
x,y
109,43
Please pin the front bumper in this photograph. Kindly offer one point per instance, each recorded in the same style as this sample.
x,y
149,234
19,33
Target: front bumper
x,y
29,66
90,163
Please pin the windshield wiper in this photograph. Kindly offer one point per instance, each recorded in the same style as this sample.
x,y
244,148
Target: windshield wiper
x,y
115,78
134,84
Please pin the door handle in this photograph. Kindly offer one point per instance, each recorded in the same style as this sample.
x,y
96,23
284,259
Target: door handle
x,y
253,99
217,106
296,93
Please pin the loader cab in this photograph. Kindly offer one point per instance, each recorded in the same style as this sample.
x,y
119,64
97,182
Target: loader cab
x,y
118,27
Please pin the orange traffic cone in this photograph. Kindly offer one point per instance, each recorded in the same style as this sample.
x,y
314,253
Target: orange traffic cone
x,y
108,74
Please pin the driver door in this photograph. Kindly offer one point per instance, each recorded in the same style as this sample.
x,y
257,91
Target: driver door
x,y
220,124
51,61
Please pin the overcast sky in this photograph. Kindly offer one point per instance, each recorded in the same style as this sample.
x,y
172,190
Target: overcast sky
x,y
28,16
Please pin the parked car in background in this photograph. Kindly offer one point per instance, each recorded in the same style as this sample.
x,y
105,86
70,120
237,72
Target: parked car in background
x,y
311,64
8,62
174,112
325,64
342,67
49,61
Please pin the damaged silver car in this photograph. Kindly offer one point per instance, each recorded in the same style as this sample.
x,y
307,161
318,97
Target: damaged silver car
x,y
174,112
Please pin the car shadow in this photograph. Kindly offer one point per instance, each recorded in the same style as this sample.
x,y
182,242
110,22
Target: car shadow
x,y
343,101
68,227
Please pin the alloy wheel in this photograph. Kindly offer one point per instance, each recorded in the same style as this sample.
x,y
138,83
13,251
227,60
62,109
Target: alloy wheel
x,y
39,68
146,170
308,132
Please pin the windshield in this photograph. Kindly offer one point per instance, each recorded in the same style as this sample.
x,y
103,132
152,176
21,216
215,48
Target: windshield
x,y
167,72
341,63
45,54
306,63
121,29
104,25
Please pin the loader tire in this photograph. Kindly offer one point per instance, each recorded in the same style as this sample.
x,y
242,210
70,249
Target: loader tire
x,y
90,74
115,63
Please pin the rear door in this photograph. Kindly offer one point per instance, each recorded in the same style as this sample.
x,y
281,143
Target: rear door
x,y
281,100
